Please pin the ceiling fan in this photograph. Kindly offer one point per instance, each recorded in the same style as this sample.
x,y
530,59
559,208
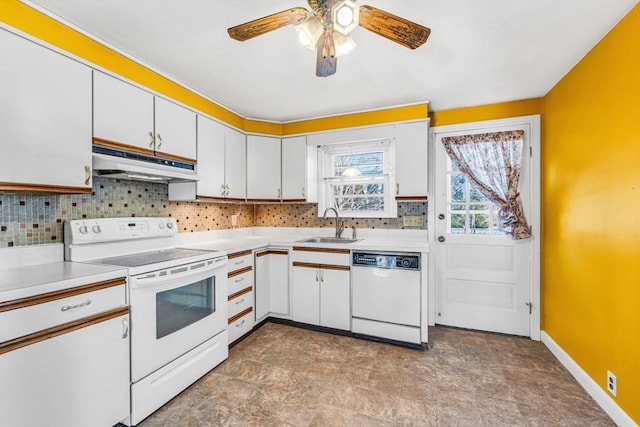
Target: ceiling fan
x,y
328,25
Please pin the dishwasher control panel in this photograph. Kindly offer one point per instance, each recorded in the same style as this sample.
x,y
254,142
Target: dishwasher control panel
x,y
401,261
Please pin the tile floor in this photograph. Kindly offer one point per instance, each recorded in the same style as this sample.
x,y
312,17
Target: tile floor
x,y
286,376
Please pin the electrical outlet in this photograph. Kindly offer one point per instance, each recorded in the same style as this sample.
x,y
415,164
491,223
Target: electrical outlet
x,y
612,383
413,221
234,220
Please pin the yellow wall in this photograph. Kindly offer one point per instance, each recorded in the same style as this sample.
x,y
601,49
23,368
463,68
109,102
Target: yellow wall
x,y
591,212
525,107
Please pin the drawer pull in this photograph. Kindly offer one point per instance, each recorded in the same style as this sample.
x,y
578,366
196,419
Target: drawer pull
x,y
239,262
240,302
239,280
71,307
240,323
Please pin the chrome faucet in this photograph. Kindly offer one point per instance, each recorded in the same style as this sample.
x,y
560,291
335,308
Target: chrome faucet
x,y
339,226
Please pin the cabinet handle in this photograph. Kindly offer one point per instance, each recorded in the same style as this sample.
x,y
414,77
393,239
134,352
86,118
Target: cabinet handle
x,y
240,302
317,276
303,195
397,188
71,307
222,190
125,328
159,141
240,324
226,190
87,174
239,262
322,275
239,280
279,193
151,139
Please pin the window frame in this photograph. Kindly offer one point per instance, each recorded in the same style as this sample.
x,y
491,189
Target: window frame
x,y
326,179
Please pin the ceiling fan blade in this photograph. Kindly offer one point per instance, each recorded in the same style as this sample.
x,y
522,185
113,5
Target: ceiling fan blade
x,y
326,59
393,27
265,24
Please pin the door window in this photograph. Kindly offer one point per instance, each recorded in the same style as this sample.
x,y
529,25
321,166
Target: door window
x,y
180,307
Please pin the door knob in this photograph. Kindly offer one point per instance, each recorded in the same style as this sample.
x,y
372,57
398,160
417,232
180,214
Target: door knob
x,y
441,216
440,239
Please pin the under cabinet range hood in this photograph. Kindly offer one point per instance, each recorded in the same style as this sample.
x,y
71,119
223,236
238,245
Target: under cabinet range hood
x,y
110,163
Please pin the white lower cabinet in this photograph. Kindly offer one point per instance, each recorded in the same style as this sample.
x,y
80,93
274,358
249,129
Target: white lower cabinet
x,y
240,283
321,292
272,283
72,372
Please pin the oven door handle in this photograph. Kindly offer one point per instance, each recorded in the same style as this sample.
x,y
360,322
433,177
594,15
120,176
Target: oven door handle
x,y
176,273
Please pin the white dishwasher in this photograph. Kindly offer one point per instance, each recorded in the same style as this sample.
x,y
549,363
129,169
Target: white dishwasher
x,y
386,296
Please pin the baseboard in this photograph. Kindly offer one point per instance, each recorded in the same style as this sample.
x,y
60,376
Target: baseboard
x,y
595,391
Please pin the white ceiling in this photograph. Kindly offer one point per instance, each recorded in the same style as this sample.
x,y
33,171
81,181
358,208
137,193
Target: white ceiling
x,y
479,51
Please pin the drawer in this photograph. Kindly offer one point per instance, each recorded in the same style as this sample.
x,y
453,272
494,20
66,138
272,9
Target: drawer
x,y
240,301
29,315
240,260
237,282
328,256
240,324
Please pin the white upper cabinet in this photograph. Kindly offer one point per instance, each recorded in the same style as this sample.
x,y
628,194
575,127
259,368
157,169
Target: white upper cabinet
x,y
45,119
235,171
263,168
210,158
294,170
122,113
175,130
411,160
123,117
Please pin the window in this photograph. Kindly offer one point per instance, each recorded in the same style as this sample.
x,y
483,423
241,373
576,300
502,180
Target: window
x,y
357,179
469,211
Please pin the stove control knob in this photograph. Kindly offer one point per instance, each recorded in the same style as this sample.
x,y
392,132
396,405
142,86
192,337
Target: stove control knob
x,y
96,228
83,229
169,225
161,225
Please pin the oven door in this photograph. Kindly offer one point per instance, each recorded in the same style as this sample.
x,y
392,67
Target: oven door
x,y
174,310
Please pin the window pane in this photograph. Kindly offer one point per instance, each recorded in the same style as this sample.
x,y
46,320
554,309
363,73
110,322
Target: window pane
x,y
371,163
458,223
479,223
457,207
458,189
483,207
475,195
359,197
360,204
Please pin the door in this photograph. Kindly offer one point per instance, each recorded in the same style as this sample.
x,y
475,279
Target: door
x,y
235,164
294,171
279,282
335,298
175,130
263,168
45,116
210,157
483,276
122,112
305,295
263,275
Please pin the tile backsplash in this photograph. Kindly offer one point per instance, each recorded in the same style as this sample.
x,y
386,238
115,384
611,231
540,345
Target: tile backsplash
x,y
33,219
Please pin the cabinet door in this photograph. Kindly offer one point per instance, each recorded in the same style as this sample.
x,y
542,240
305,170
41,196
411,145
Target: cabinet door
x,y
305,295
294,171
122,113
45,117
279,283
263,168
411,160
175,130
235,170
210,158
80,378
335,299
262,297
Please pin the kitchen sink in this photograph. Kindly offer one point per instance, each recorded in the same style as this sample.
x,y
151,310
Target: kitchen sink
x,y
327,240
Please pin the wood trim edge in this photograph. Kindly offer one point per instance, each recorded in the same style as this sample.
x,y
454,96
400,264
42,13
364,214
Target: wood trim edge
x,y
239,254
65,328
316,249
321,266
146,151
56,295
240,293
239,272
271,252
44,188
411,198
239,315
263,200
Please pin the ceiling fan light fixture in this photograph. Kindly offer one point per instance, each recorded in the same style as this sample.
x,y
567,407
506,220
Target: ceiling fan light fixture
x,y
344,44
309,31
345,16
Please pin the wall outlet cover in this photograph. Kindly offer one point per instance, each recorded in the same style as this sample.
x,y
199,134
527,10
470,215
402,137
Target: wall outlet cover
x,y
413,221
612,383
